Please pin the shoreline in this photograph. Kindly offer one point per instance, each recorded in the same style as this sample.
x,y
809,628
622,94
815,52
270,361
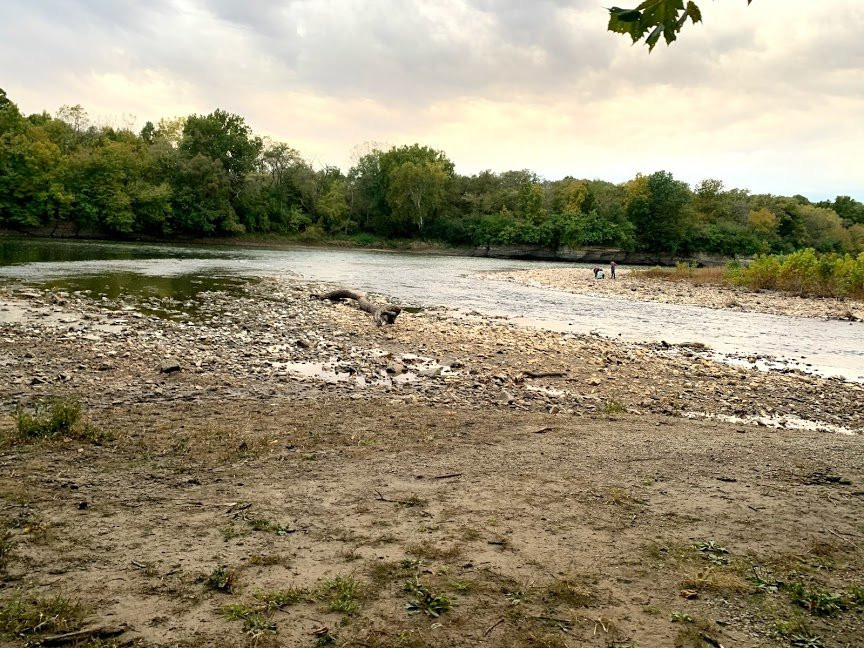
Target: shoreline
x,y
630,284
294,448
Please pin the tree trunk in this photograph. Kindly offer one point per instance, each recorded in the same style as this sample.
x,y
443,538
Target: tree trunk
x,y
385,314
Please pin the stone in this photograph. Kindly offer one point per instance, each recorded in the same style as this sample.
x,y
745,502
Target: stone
x,y
170,366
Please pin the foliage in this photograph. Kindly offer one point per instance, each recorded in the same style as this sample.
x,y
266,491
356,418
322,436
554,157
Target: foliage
x,y
817,601
210,175
222,579
425,600
805,272
341,594
655,18
22,615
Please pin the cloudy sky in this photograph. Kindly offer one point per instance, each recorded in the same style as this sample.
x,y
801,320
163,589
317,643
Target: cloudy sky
x,y
769,97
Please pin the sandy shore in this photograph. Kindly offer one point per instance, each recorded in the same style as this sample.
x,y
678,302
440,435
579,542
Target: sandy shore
x,y
631,284
553,489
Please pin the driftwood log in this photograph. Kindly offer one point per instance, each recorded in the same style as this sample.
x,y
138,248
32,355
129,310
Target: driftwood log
x,y
382,314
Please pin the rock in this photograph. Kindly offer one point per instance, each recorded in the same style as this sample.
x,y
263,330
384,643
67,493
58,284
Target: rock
x,y
395,368
505,397
432,372
170,366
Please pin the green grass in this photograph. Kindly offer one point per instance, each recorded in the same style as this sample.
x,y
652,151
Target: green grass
x,y
22,615
255,624
280,599
814,599
57,417
341,594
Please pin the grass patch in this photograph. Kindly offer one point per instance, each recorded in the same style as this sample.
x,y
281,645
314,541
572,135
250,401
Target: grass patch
x,y
255,624
341,594
721,582
269,526
22,615
613,407
54,418
814,599
280,599
567,591
431,551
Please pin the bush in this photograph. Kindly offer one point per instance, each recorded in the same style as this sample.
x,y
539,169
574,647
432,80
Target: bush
x,y
57,417
805,272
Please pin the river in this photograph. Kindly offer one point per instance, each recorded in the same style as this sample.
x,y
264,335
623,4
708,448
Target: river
x,y
829,348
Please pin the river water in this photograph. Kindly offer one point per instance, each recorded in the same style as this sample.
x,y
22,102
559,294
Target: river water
x,y
830,348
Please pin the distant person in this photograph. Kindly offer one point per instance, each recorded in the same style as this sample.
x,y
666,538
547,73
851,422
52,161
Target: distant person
x,y
598,273
612,265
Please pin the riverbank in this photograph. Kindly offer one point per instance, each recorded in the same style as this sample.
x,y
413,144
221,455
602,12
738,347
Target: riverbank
x,y
285,458
634,284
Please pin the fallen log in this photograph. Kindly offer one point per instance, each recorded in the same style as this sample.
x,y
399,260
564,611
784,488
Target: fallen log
x,y
383,314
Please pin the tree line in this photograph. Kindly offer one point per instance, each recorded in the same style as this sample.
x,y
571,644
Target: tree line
x,y
210,175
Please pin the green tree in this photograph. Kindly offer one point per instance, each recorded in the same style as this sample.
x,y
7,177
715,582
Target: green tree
x,y
416,190
224,137
655,206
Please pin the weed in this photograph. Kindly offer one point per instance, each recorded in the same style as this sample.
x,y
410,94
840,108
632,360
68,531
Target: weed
x,y
572,593
425,600
856,595
341,594
678,617
255,624
279,599
56,417
7,546
815,600
431,551
230,532
222,579
235,611
27,615
613,407
712,552
717,581
516,597
49,418
806,641
270,527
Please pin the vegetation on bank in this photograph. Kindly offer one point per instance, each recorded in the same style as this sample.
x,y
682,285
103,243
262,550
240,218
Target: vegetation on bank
x,y
804,272
210,175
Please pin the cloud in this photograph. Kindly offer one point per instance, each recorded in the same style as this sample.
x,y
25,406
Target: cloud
x,y
764,97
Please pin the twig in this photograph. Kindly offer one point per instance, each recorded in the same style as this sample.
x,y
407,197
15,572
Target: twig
x,y
135,563
493,626
543,430
834,533
82,635
381,498
450,476
711,640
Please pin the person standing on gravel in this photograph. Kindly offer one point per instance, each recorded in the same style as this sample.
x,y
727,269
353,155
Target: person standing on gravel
x,y
612,265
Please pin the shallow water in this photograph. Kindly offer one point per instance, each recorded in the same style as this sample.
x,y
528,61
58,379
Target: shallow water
x,y
424,280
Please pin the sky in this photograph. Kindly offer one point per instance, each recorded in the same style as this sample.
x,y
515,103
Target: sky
x,y
768,97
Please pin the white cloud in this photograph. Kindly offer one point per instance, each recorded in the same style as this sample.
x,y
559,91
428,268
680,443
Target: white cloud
x,y
767,97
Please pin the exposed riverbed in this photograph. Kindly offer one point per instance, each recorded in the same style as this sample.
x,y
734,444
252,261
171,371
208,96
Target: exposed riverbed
x,y
424,280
